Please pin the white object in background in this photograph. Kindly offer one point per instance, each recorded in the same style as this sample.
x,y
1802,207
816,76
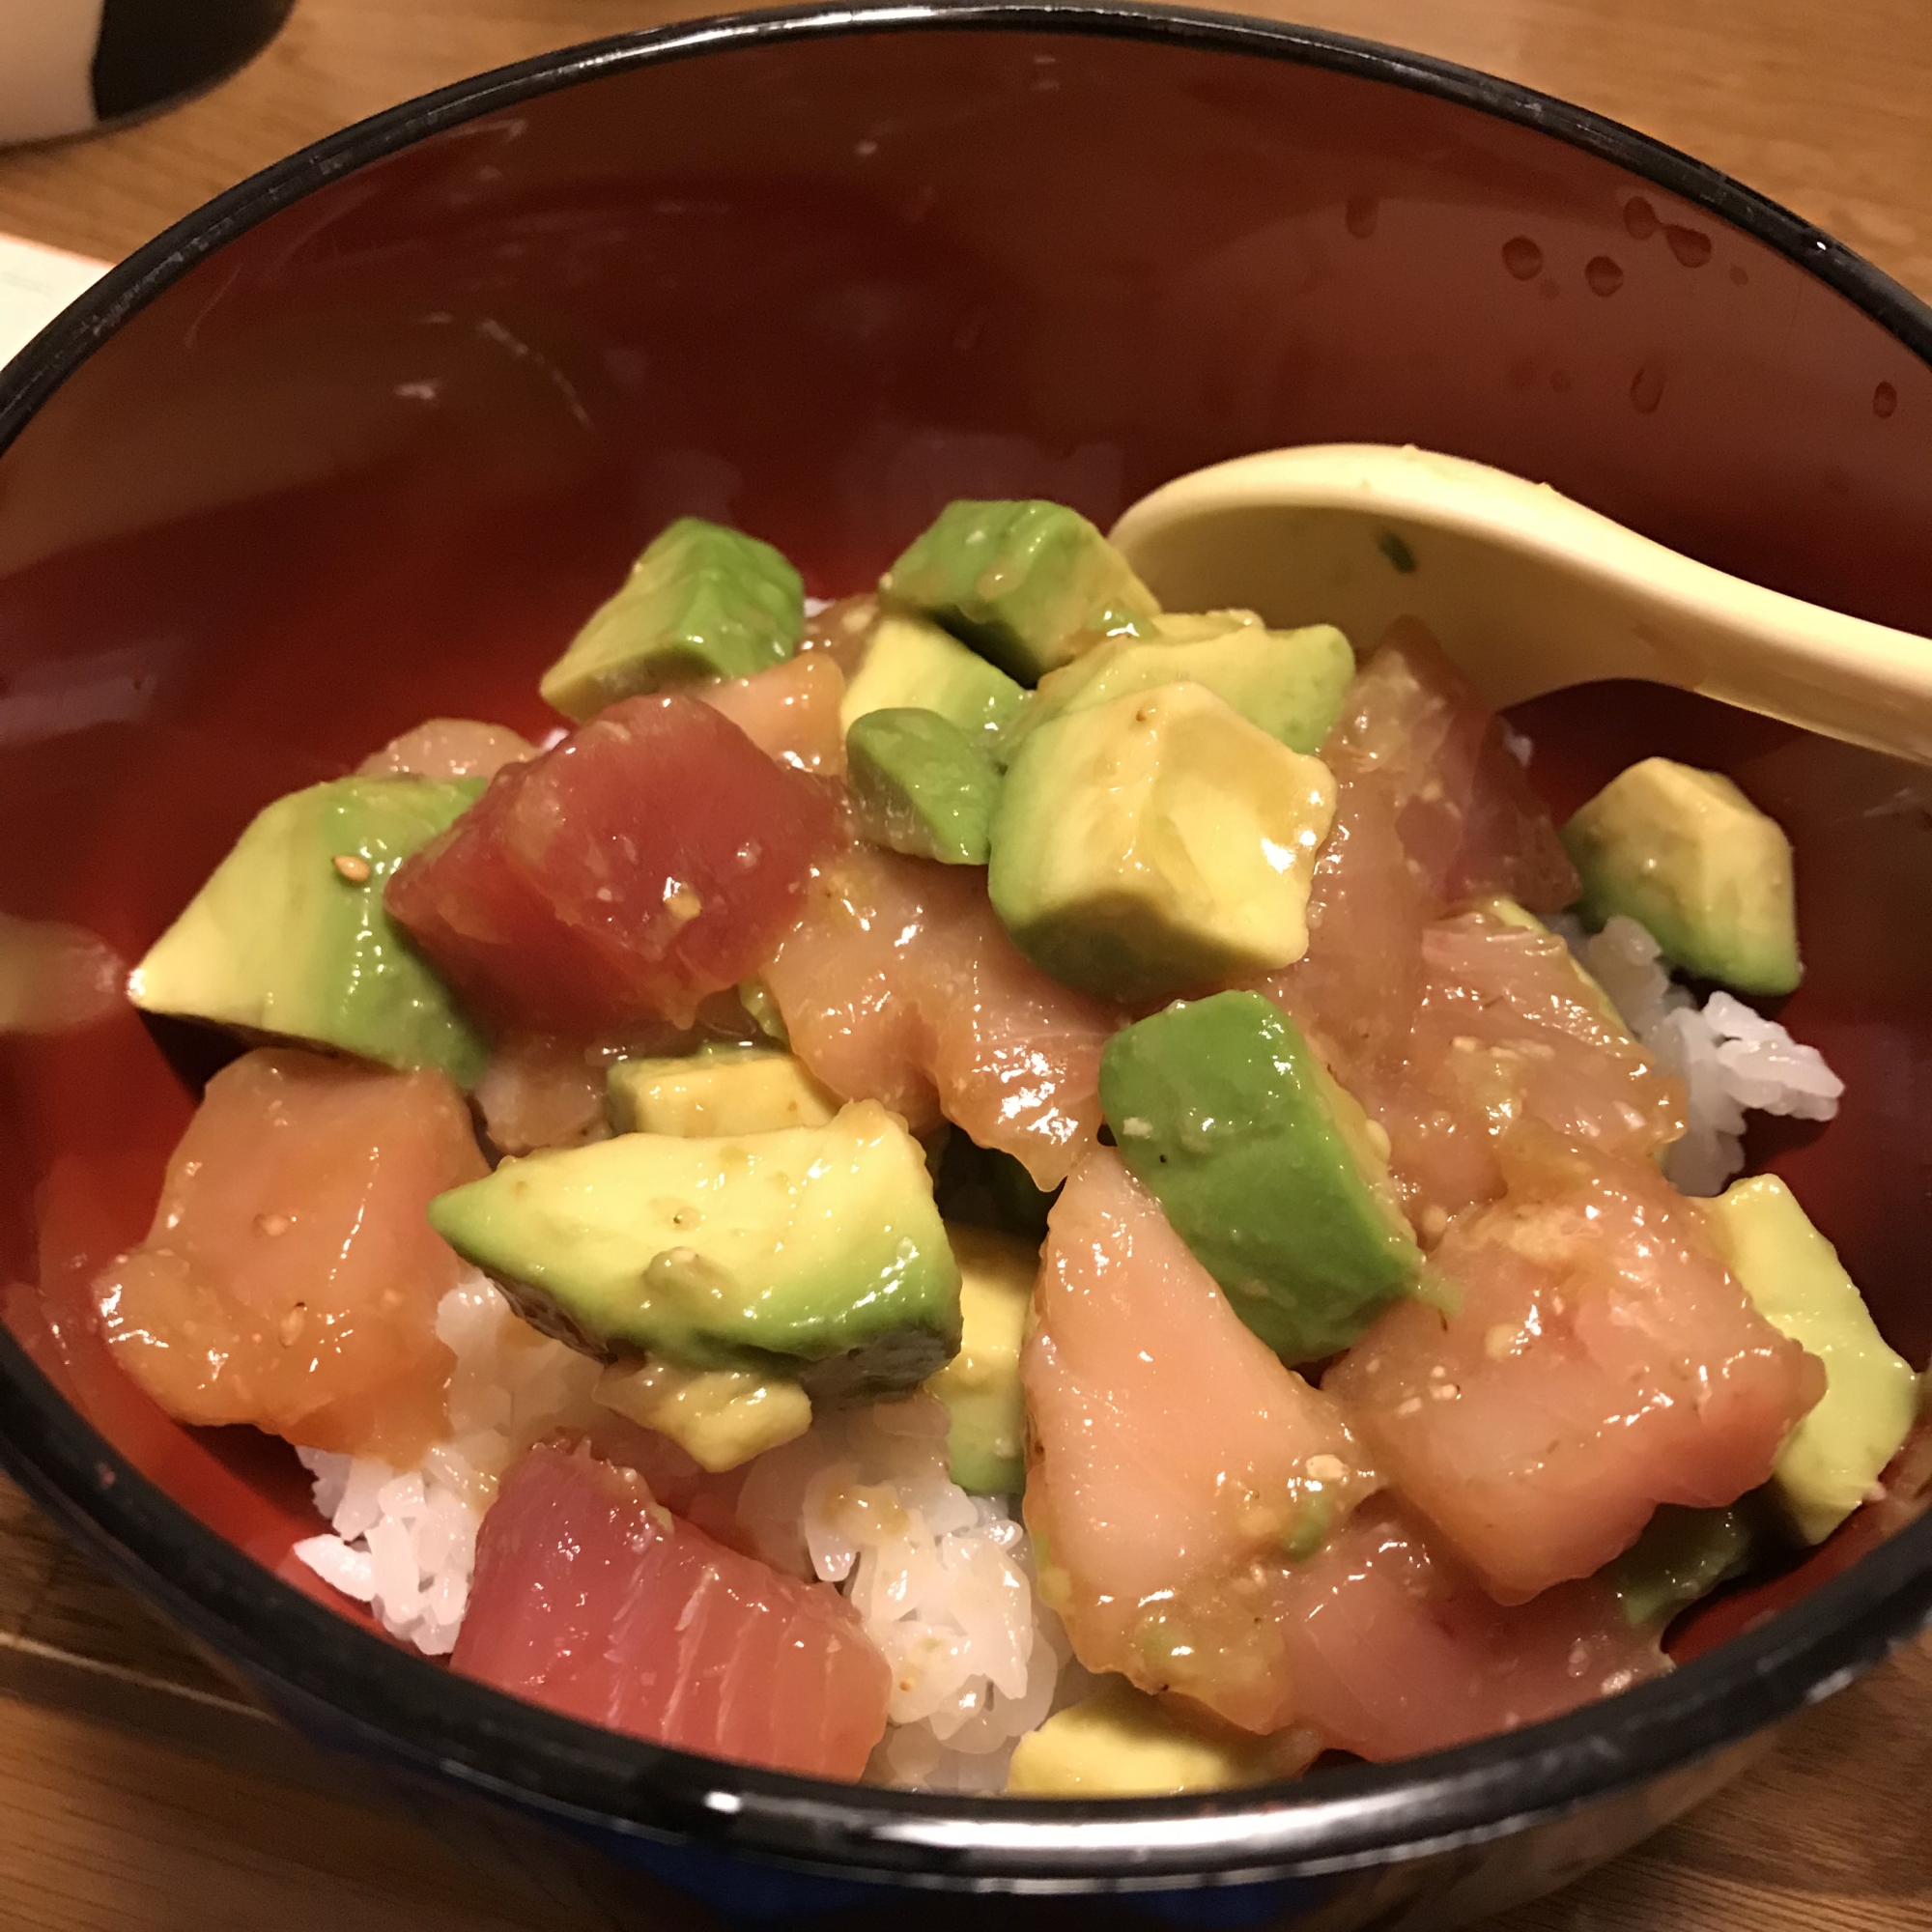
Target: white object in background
x,y
36,283
46,67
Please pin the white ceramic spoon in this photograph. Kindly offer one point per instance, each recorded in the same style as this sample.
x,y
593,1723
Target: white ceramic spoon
x,y
1526,590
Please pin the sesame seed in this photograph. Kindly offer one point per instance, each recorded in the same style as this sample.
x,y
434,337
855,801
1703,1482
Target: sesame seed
x,y
353,867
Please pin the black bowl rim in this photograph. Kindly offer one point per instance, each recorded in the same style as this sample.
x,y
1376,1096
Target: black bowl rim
x,y
357,1689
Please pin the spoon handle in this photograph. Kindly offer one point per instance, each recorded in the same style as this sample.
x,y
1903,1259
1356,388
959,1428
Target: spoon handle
x,y
1528,590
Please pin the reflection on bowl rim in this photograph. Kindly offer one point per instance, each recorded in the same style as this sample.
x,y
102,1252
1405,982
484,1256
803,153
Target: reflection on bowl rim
x,y
355,1686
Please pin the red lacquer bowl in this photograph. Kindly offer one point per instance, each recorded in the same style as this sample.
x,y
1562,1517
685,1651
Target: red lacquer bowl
x,y
365,441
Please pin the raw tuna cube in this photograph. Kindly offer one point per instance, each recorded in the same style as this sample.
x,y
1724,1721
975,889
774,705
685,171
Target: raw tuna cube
x,y
592,1599
1394,1650
649,860
898,984
291,1277
1594,1360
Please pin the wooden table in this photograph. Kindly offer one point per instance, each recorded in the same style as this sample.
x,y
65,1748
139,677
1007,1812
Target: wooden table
x,y
106,1828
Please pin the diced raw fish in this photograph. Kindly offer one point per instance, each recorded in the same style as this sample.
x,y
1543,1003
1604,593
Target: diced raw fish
x,y
541,1091
591,1598
1589,1360
1368,901
291,1278
538,1090
450,748
1507,1031
1393,1651
649,860
1174,1459
1467,814
790,712
898,984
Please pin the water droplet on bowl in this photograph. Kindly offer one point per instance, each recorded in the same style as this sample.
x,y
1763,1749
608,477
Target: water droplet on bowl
x,y
1523,257
1738,275
1691,246
1646,391
1640,218
1362,215
1603,273
1885,399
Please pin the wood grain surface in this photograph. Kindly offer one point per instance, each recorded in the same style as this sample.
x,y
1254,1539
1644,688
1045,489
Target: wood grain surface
x,y
140,1792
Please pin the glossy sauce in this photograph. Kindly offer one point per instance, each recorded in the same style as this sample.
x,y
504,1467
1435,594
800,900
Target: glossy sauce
x,y
898,984
291,1279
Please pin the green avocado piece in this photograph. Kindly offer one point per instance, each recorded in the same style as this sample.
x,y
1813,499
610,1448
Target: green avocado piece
x,y
289,936
1157,842
1689,857
1682,1556
911,662
1029,585
811,1252
1792,1273
701,602
1119,1743
721,1418
920,786
741,1091
1290,683
981,1386
1269,1171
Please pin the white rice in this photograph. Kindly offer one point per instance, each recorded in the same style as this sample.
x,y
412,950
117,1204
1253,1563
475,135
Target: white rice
x,y
1731,1060
942,1581
404,1541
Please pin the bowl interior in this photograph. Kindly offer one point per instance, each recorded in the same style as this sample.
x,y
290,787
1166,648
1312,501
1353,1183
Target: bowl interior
x,y
373,460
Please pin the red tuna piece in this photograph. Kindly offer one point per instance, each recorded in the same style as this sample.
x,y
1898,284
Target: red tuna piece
x,y
592,1599
650,859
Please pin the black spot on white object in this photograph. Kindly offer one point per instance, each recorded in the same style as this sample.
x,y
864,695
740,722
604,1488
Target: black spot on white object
x,y
69,66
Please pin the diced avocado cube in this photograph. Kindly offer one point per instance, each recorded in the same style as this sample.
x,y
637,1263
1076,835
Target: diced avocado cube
x,y
987,1188
746,1090
1027,585
1831,1460
1269,1171
1289,683
289,936
701,602
719,1417
1157,842
911,662
812,1252
1682,1556
981,1386
1689,857
1119,1743
921,786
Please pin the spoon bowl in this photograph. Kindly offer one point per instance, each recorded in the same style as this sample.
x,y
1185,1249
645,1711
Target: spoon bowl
x,y
1529,591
